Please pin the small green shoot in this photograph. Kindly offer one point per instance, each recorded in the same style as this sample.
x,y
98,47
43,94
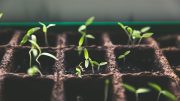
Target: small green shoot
x,y
84,35
136,36
135,91
106,89
123,56
45,29
79,70
1,14
33,71
162,92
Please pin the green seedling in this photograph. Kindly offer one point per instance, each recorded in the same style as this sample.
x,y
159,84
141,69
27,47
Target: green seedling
x,y
136,36
106,89
1,14
123,56
162,92
84,36
79,70
35,51
33,71
45,29
93,63
136,91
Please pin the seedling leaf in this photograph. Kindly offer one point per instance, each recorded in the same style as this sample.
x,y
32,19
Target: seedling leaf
x,y
82,28
155,86
51,25
86,63
129,29
78,72
28,34
129,88
89,21
35,52
142,90
124,55
33,71
145,29
136,34
121,25
1,14
86,54
44,27
81,40
147,35
90,36
49,55
103,63
169,95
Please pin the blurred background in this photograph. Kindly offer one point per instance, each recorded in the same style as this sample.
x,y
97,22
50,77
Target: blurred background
x,y
79,10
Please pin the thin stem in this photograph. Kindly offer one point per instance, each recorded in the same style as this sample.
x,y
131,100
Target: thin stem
x,y
137,97
158,96
139,41
106,91
92,69
30,58
46,40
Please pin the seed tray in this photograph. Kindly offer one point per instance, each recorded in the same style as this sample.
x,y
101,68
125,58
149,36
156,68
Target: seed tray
x,y
147,63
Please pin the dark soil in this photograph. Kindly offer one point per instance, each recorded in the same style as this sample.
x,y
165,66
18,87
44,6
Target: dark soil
x,y
89,89
5,37
139,60
27,89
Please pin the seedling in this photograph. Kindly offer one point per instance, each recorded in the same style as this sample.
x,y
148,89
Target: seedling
x,y
87,61
84,36
123,56
35,50
136,91
136,36
45,29
162,92
1,14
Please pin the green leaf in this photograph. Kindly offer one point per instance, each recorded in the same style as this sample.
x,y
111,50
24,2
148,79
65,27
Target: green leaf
x,y
89,21
129,30
155,86
136,34
86,63
142,90
35,52
51,25
82,28
79,50
95,62
86,54
103,63
90,36
81,40
147,35
35,45
1,14
28,34
169,95
127,53
129,88
121,57
145,29
33,71
49,55
44,27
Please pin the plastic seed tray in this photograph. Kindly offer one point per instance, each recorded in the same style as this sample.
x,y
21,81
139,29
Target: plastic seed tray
x,y
154,60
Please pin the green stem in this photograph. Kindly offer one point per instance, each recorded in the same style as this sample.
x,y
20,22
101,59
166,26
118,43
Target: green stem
x,y
30,58
139,41
106,91
137,97
46,40
158,96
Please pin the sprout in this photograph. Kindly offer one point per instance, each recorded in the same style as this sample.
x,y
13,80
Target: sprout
x,y
135,36
84,35
33,71
162,92
136,91
35,50
45,29
123,56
